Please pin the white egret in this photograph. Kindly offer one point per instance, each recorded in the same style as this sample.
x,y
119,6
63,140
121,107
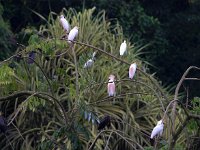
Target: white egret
x,y
111,85
89,63
123,48
132,70
64,23
72,34
158,129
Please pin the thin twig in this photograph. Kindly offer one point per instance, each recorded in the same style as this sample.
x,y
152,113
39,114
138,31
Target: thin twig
x,y
187,95
192,79
9,142
18,130
8,59
108,141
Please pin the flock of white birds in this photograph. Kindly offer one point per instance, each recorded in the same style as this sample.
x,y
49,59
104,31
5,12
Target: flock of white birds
x,y
72,34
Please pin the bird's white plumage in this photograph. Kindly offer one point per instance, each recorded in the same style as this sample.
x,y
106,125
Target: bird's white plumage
x,y
89,116
93,55
132,70
111,85
158,129
64,23
88,64
123,47
72,34
159,122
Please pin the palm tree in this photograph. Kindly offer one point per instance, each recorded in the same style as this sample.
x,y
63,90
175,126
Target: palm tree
x,y
55,102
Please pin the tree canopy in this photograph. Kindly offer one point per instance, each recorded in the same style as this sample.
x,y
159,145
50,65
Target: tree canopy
x,y
51,101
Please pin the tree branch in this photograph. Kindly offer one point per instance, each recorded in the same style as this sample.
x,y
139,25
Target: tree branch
x,y
192,79
176,94
41,95
125,62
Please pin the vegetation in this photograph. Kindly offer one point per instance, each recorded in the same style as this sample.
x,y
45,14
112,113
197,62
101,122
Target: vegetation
x,y
6,37
170,27
52,102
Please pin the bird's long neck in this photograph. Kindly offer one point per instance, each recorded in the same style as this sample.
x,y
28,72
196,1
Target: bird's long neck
x,y
111,81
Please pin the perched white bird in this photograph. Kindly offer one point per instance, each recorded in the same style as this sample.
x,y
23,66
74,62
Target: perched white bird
x,y
132,70
89,63
158,129
111,85
123,48
93,55
64,23
72,34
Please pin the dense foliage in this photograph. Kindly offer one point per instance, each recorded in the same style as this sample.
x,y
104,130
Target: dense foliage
x,y
171,27
6,37
51,101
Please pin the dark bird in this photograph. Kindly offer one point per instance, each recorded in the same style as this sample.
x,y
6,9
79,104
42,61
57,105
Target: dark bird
x,y
3,125
31,56
104,122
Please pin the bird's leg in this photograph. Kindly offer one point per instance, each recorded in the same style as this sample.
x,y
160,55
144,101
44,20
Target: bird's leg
x,y
114,99
156,142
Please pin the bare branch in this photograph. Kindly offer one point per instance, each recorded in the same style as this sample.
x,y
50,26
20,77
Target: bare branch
x,y
176,94
198,79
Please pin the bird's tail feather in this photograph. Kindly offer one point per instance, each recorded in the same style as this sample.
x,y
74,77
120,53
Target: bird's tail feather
x,y
152,141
